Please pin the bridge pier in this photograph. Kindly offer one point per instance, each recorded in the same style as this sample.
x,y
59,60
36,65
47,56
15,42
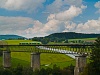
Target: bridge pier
x,y
80,64
6,59
35,61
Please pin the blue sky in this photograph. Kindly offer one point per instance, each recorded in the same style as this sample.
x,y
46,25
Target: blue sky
x,y
32,18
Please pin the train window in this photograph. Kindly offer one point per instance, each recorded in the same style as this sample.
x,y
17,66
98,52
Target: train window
x,y
30,43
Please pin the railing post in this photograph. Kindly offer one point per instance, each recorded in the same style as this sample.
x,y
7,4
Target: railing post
x,y
6,59
80,64
35,61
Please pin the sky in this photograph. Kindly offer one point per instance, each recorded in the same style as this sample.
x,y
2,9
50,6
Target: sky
x,y
38,18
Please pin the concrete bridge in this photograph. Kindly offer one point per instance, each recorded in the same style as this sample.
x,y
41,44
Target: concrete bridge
x,y
79,51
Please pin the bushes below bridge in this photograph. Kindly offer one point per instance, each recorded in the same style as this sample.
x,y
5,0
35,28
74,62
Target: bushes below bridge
x,y
1,53
20,70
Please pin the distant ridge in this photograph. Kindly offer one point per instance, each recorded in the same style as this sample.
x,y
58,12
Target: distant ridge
x,y
72,35
64,36
6,37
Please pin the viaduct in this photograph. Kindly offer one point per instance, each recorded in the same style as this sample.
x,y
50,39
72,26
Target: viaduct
x,y
80,52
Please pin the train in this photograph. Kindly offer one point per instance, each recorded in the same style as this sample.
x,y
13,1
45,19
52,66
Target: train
x,y
30,43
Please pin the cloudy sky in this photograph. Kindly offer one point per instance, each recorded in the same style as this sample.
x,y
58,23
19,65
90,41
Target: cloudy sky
x,y
32,18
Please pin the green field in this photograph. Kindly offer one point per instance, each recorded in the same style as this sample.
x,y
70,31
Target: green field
x,y
84,39
70,40
16,42
47,60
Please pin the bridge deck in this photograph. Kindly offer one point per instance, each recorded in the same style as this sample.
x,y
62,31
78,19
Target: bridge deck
x,y
62,49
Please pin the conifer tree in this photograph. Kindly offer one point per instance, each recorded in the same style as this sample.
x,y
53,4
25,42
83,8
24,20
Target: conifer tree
x,y
94,66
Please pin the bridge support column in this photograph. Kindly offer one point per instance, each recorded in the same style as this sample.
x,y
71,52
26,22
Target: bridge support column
x,y
6,59
35,61
80,64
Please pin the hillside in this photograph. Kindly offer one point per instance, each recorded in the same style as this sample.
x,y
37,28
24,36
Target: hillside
x,y
64,36
72,35
6,37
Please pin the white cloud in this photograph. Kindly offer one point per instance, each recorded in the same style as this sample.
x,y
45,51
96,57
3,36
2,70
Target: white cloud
x,y
55,22
77,3
55,6
91,26
36,30
14,25
69,14
62,5
26,5
50,17
27,26
51,26
97,5
98,11
21,26
34,5
40,29
69,26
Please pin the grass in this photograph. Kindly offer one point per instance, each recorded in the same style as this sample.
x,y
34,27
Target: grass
x,y
0,60
84,39
16,42
69,40
63,64
53,58
21,56
47,60
58,59
17,61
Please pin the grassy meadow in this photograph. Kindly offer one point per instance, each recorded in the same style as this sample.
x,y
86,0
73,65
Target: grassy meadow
x,y
16,42
70,40
84,39
47,59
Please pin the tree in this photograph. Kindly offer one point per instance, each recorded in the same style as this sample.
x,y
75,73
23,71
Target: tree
x,y
66,41
93,68
95,58
18,70
7,72
27,71
1,53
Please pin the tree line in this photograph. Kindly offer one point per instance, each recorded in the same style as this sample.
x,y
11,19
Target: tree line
x,y
93,67
20,70
63,37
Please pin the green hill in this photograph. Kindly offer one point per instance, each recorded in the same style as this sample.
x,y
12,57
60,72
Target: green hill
x,y
6,37
72,35
64,37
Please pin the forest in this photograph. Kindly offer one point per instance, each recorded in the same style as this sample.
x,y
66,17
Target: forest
x,y
63,37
